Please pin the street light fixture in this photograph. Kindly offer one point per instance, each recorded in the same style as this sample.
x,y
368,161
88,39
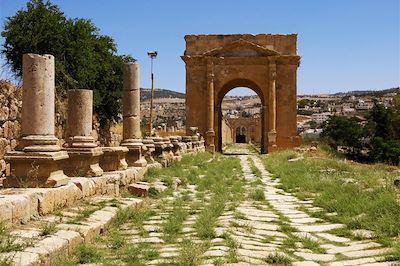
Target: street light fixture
x,y
152,55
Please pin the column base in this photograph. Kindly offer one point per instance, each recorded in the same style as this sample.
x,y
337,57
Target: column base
x,y
39,143
36,169
83,162
210,141
113,159
134,156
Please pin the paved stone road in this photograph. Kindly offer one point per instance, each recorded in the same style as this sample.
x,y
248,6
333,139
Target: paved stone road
x,y
259,232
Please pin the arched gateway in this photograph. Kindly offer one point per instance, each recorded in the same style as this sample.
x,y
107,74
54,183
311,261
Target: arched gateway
x,y
265,63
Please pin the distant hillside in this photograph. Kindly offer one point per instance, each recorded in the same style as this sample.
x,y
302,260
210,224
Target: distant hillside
x,y
367,93
160,93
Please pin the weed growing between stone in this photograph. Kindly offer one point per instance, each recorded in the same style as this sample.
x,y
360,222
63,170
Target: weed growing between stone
x,y
8,242
47,228
361,196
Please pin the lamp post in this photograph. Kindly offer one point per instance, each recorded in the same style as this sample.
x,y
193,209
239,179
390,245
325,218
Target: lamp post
x,y
152,55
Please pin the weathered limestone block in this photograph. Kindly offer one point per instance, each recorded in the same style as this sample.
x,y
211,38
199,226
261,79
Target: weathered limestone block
x,y
86,186
87,231
4,113
14,110
141,190
131,116
160,152
103,217
73,238
6,214
84,155
4,146
113,158
168,150
38,164
149,143
22,258
49,247
188,141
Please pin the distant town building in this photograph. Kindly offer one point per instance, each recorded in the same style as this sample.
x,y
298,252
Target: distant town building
x,y
362,105
319,118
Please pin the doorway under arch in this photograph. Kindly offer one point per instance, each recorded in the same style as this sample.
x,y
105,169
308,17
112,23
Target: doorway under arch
x,y
239,110
240,135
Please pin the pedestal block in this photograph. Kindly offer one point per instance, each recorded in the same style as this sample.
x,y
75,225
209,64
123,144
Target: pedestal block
x,y
134,156
36,169
188,141
83,162
149,143
113,159
160,152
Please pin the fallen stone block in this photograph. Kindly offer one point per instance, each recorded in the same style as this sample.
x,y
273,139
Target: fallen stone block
x,y
141,190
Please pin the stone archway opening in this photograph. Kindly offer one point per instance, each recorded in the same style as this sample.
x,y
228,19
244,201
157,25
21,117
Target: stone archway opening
x,y
239,117
240,135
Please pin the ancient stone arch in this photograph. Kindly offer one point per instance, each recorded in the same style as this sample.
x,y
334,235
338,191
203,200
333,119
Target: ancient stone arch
x,y
265,63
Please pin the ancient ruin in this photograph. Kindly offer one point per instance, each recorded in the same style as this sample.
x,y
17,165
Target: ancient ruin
x,y
265,63
84,155
37,162
132,136
241,130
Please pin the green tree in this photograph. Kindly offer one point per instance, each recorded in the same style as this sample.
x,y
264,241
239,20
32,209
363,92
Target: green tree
x,y
380,122
343,131
84,58
396,116
382,130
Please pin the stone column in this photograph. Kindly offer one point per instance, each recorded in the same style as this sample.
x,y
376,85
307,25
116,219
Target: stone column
x,y
84,155
38,162
272,115
210,134
131,116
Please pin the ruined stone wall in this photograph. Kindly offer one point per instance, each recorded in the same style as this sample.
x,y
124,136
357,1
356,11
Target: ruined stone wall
x,y
10,122
10,119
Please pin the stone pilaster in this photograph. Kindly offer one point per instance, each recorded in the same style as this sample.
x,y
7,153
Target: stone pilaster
x,y
272,131
38,162
84,155
210,134
132,136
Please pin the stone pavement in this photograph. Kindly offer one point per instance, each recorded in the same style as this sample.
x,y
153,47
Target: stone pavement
x,y
278,230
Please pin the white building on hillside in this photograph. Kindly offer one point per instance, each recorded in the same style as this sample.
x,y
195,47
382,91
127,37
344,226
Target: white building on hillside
x,y
319,118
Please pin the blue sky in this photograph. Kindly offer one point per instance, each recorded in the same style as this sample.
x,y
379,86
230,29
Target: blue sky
x,y
344,44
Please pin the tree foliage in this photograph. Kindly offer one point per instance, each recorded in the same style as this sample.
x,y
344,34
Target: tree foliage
x,y
379,138
84,58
